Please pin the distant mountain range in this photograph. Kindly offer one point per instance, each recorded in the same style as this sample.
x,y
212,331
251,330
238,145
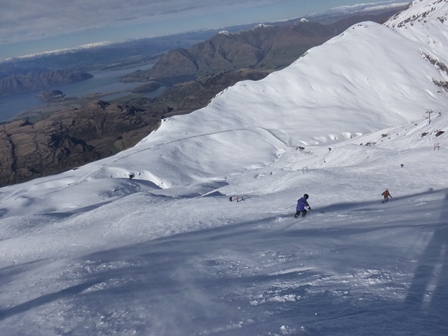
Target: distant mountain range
x,y
66,66
108,55
262,47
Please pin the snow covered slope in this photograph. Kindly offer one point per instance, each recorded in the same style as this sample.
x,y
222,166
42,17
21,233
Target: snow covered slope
x,y
93,252
369,78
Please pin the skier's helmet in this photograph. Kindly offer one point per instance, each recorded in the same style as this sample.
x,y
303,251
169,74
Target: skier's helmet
x,y
306,196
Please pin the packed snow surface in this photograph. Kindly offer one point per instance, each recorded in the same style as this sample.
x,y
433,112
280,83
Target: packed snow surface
x,y
94,252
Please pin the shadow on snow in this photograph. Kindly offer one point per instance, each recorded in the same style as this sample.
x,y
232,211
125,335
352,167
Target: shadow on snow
x,y
234,280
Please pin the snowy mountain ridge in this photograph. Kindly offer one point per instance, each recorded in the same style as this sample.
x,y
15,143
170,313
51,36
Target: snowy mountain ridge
x,y
376,79
147,243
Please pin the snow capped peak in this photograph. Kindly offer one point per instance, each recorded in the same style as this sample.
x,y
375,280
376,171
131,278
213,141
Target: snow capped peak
x,y
260,26
94,45
64,51
304,20
224,32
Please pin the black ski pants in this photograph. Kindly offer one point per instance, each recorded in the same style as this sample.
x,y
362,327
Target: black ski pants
x,y
298,213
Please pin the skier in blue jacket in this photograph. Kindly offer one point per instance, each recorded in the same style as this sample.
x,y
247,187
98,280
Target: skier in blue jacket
x,y
302,205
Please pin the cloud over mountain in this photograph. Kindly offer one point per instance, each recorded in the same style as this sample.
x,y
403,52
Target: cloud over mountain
x,y
27,19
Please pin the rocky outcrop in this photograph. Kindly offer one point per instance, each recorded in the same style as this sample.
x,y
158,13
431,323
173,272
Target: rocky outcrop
x,y
71,138
51,96
15,84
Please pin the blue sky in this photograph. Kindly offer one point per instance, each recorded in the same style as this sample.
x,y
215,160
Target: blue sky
x,y
29,26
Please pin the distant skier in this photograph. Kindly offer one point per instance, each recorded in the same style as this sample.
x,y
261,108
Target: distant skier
x,y
386,194
302,205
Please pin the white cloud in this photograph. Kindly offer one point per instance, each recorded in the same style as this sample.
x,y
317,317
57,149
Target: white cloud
x,y
31,20
28,20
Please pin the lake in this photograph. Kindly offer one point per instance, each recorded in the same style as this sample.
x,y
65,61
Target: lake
x,y
103,81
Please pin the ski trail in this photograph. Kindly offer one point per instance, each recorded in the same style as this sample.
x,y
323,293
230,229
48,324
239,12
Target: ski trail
x,y
205,135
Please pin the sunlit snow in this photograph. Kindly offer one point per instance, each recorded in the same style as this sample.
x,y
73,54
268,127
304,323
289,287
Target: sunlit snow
x,y
94,252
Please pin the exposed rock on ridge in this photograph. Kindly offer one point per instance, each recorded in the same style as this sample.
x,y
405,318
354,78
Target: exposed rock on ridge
x,y
71,138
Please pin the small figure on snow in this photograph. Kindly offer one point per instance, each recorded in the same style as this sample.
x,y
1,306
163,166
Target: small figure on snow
x,y
302,205
386,194
233,198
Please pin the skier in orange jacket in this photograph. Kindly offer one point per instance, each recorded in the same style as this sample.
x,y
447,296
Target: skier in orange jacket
x,y
386,194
